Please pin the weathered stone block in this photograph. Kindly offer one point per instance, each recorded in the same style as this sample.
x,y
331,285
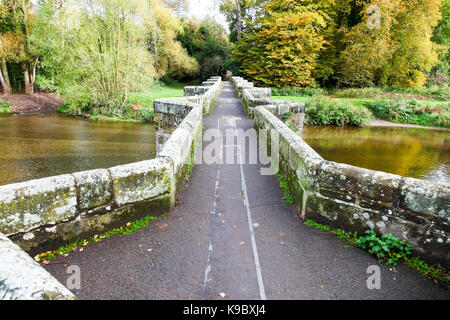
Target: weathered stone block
x,y
425,197
359,182
141,181
94,188
21,278
27,205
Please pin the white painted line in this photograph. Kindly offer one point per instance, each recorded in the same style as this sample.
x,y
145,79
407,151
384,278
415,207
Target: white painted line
x,y
212,235
262,292
211,238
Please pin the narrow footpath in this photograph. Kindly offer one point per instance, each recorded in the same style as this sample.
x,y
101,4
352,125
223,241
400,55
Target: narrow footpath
x,y
232,234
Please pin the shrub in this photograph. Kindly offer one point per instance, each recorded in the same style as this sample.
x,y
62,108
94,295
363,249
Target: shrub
x,y
321,110
433,92
386,248
298,91
76,105
5,106
412,112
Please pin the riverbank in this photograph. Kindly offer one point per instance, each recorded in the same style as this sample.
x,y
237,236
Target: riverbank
x,y
383,123
41,102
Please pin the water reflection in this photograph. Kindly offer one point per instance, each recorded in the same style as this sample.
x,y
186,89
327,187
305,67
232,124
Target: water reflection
x,y
409,152
37,146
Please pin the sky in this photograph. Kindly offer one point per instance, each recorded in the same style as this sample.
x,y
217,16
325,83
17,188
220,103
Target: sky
x,y
204,8
201,9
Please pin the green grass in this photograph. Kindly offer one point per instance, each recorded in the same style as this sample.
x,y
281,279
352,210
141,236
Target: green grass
x,y
360,102
82,106
303,99
146,98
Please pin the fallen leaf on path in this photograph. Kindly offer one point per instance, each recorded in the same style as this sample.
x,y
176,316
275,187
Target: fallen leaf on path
x,y
37,258
163,226
81,249
242,242
221,294
235,226
281,234
149,250
223,221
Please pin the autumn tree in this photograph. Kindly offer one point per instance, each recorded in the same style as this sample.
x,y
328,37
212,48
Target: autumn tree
x,y
281,48
378,42
171,58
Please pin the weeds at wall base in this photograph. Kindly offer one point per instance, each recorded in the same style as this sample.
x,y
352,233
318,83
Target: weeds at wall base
x,y
129,228
435,272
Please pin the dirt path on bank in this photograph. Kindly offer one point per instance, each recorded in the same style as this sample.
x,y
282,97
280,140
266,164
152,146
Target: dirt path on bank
x,y
383,123
36,103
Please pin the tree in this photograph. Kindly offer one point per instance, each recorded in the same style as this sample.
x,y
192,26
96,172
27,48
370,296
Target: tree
x,y
240,14
99,52
17,21
208,43
171,58
440,74
281,48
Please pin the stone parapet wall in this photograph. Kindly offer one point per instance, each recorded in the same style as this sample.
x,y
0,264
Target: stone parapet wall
x,y
43,214
358,199
253,96
21,278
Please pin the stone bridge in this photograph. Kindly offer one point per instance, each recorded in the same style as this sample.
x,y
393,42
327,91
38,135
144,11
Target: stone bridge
x,y
228,233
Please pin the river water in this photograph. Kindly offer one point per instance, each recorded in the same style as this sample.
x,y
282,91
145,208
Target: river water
x,y
409,152
37,146
42,145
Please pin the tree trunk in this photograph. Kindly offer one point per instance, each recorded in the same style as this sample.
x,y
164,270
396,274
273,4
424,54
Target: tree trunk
x,y
29,87
4,78
239,19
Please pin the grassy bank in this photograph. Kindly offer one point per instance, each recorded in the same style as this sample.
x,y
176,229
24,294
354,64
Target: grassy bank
x,y
138,107
408,107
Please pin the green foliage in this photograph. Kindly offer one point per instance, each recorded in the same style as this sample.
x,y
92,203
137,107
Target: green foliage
x,y
208,43
386,248
433,92
298,91
412,112
321,110
5,106
288,197
280,49
101,58
312,223
394,250
346,236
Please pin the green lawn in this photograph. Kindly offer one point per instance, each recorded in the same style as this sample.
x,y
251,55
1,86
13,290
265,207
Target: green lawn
x,y
358,101
146,98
